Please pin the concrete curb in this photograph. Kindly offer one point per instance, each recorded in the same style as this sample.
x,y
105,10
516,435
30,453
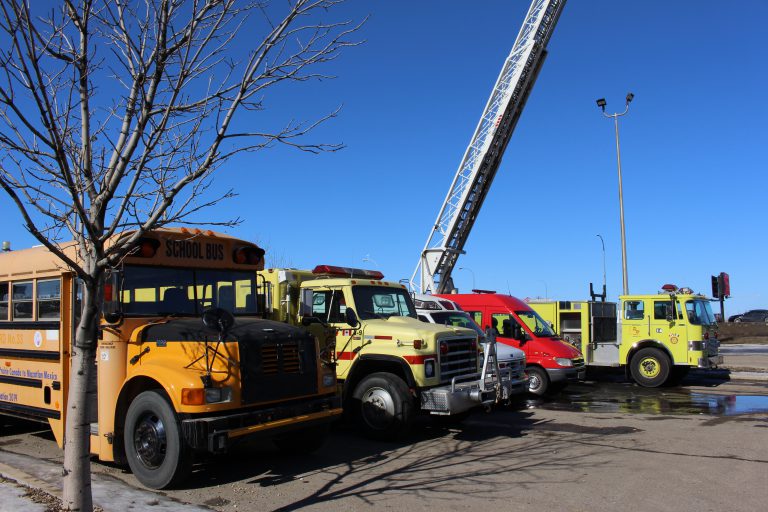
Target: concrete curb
x,y
111,494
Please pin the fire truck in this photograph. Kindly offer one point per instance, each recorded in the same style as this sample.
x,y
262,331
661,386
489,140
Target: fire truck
x,y
185,363
389,364
655,338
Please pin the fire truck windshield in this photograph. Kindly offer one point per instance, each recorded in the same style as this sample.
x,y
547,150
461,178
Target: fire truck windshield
x,y
699,312
535,323
382,302
161,291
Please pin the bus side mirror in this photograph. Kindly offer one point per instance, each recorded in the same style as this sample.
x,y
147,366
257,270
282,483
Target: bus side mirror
x,y
351,317
219,320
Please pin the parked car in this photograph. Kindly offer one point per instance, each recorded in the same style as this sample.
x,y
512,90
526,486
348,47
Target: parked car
x,y
753,315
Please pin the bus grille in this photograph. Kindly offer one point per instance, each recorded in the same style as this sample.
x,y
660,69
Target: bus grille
x,y
460,358
273,362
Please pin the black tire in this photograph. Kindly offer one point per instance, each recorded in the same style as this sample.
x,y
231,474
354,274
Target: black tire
x,y
384,406
303,441
538,380
156,453
650,367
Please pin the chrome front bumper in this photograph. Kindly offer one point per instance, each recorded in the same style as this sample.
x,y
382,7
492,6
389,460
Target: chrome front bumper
x,y
469,391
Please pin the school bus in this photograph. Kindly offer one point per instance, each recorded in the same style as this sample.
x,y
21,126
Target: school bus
x,y
168,385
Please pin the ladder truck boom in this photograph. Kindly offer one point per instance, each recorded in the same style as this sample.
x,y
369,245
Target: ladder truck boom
x,y
483,155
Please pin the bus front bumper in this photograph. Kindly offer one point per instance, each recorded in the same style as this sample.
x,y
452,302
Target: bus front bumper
x,y
214,434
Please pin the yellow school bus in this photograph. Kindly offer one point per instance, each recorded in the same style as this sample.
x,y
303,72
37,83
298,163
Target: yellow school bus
x,y
169,385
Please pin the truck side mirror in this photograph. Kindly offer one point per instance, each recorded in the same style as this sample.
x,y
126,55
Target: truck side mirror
x,y
351,317
305,306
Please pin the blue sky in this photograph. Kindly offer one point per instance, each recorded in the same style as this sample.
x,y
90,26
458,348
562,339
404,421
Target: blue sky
x,y
693,150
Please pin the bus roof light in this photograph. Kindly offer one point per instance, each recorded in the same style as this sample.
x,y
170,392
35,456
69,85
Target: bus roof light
x,y
146,248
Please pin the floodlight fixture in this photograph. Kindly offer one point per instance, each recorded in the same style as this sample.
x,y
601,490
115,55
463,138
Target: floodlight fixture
x,y
601,103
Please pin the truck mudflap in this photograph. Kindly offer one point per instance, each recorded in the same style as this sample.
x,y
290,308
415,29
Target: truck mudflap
x,y
214,434
469,391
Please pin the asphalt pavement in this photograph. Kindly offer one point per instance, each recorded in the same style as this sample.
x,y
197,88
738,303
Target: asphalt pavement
x,y
32,484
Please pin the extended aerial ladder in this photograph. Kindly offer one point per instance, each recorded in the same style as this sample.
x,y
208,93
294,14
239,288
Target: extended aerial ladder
x,y
483,156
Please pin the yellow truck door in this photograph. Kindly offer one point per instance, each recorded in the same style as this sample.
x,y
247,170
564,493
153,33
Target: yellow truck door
x,y
635,326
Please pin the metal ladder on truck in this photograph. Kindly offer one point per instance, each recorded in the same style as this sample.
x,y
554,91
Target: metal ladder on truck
x,y
483,156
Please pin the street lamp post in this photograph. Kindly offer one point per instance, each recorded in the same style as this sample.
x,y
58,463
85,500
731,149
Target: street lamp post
x,y
601,103
473,275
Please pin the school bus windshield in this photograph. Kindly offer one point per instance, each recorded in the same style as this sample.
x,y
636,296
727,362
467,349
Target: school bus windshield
x,y
161,291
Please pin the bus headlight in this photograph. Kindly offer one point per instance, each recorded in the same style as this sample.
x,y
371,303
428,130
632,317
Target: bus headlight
x,y
202,396
563,361
218,395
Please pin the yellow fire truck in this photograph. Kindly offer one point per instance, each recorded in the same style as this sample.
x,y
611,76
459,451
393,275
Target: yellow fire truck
x,y
184,362
388,363
656,338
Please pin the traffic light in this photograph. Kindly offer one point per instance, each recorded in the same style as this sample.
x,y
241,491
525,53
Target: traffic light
x,y
724,285
715,287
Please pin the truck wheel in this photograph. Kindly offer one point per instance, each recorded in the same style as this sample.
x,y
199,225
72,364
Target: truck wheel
x,y
650,367
303,441
538,380
155,451
385,407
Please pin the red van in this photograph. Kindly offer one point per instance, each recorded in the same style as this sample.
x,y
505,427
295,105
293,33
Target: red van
x,y
551,362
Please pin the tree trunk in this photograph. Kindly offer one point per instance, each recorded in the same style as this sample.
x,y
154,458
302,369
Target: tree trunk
x,y
80,399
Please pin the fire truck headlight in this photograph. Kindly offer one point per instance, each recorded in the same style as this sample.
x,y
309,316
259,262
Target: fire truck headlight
x,y
218,395
429,368
563,361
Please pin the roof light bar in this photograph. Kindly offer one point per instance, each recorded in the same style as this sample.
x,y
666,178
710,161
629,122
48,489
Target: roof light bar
x,y
332,270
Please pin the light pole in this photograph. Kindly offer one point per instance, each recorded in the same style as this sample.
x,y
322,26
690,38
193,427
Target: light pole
x,y
601,103
603,244
471,272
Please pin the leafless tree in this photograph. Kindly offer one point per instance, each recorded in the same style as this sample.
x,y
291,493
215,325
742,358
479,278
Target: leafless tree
x,y
114,115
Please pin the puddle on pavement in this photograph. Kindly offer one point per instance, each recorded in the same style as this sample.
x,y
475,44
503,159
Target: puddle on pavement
x,y
654,401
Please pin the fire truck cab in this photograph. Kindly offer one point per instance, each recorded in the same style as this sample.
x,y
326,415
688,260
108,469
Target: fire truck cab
x,y
389,364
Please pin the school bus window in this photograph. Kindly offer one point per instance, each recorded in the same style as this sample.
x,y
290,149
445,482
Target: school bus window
x,y
3,301
48,299
22,301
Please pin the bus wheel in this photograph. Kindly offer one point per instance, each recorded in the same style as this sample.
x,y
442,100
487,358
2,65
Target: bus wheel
x,y
385,406
538,381
153,445
650,367
303,441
